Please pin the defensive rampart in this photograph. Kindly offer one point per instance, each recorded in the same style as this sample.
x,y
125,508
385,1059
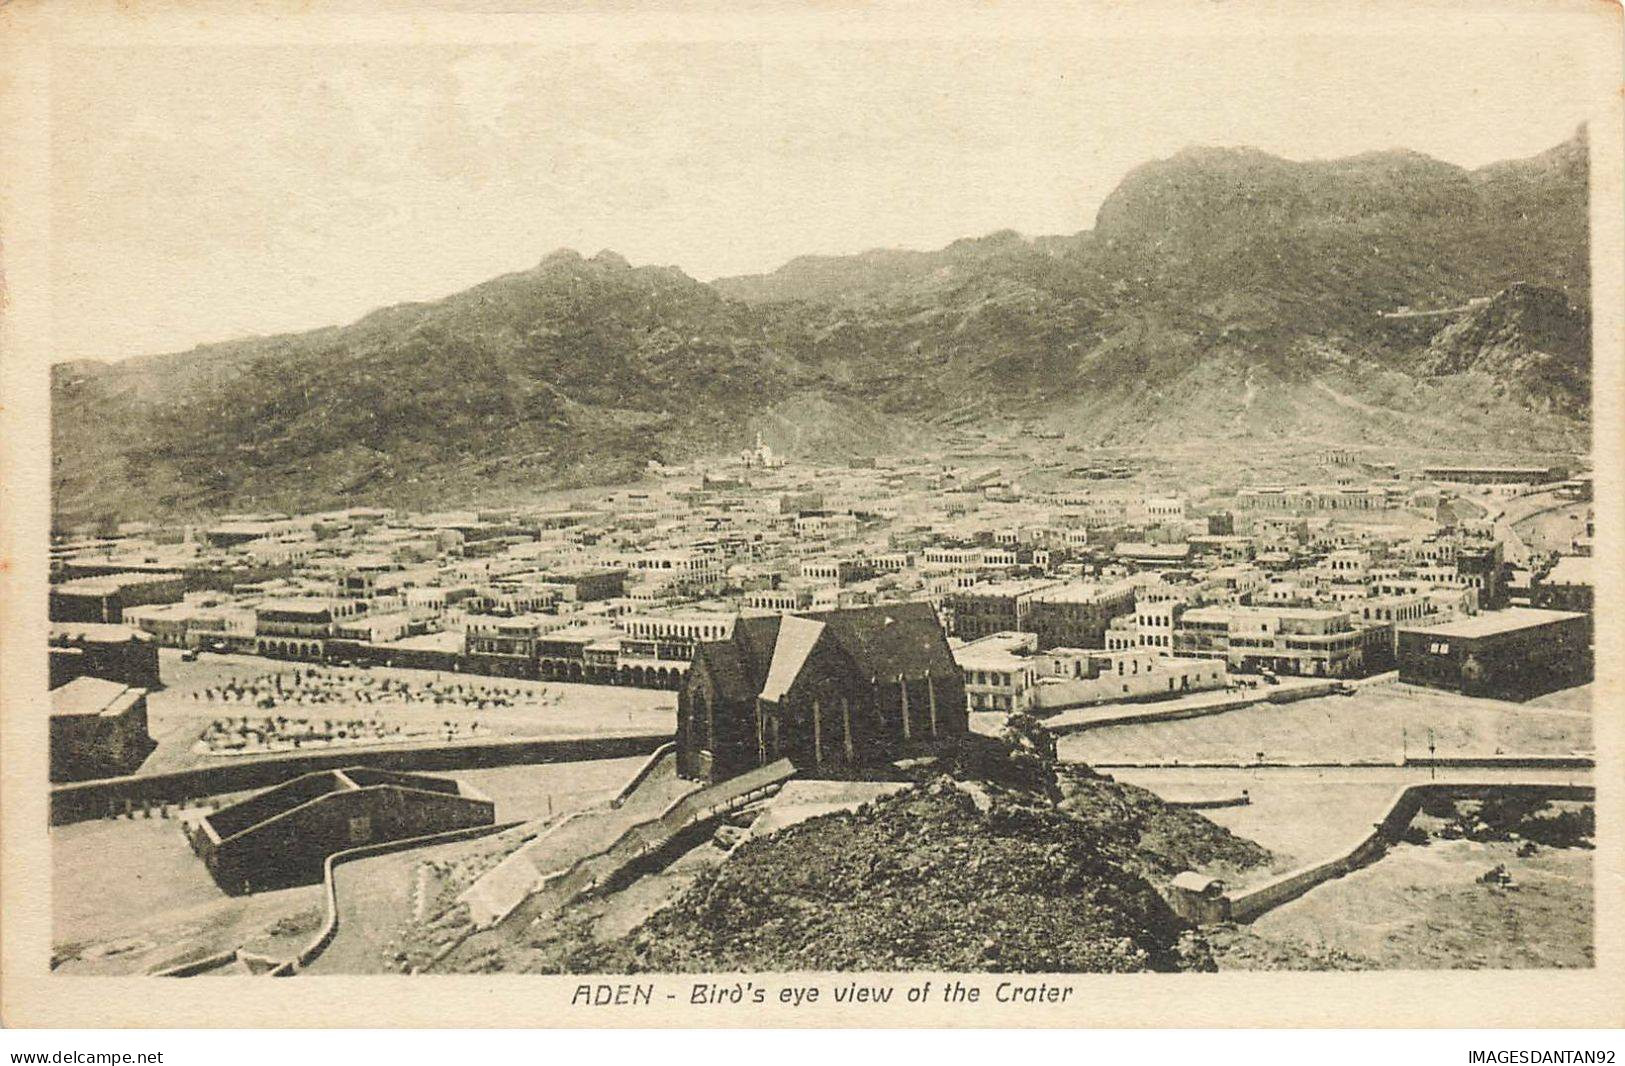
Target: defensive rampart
x,y
1407,802
1147,713
84,800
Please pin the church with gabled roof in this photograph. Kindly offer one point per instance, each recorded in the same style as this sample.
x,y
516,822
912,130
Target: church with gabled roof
x,y
831,691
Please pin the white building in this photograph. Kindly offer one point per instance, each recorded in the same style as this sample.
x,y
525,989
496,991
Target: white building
x,y
1077,677
1000,671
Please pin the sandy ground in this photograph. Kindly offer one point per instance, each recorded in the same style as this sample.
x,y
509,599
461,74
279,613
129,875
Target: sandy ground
x,y
525,793
175,718
1577,698
129,896
1554,531
1303,815
1421,907
1379,724
378,897
382,899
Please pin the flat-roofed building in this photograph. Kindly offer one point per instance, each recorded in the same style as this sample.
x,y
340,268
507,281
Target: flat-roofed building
x,y
1077,613
104,598
890,562
514,595
1340,497
379,628
1495,475
825,525
601,659
507,646
588,584
371,578
999,671
1142,553
787,597
1394,610
976,557
98,729
293,627
1162,508
562,653
221,627
167,623
993,607
1481,566
1153,620
658,647
111,652
283,836
681,570
1078,677
1512,654
801,502
232,533
840,571
1304,641
1226,547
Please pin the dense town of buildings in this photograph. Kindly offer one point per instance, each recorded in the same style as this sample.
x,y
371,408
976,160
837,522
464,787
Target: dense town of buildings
x,y
1083,590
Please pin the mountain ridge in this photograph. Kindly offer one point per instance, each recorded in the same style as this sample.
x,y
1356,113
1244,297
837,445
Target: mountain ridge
x,y
1214,284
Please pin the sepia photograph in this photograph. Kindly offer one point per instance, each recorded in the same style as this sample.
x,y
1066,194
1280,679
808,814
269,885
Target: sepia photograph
x,y
1030,497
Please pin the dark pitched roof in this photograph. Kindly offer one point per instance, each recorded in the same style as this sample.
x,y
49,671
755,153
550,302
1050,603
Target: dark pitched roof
x,y
726,668
739,664
755,638
892,639
884,641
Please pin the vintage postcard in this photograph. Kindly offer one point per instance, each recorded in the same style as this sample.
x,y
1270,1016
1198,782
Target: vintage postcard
x,y
812,514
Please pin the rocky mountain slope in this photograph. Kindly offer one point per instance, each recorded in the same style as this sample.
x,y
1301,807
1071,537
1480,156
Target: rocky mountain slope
x,y
923,880
1222,294
957,873
1528,340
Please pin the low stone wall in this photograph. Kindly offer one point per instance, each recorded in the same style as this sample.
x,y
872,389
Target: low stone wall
x,y
503,887
519,887
1143,717
1212,804
206,964
1054,695
1511,762
1303,692
1176,714
659,756
262,965
1406,803
84,800
650,837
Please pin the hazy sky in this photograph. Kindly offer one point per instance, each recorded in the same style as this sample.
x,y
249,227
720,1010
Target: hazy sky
x,y
202,194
